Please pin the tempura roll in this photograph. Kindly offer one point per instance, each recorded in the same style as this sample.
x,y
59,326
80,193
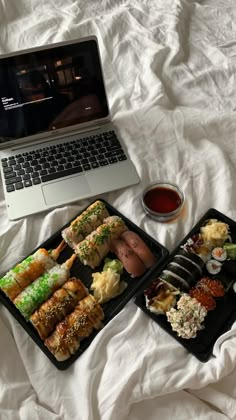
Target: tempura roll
x,y
60,304
40,290
96,246
65,340
28,270
85,223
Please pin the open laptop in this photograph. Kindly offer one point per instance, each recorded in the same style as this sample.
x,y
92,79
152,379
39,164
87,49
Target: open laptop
x,y
57,142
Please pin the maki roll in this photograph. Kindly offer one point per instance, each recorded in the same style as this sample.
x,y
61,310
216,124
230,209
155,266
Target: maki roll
x,y
60,304
24,273
85,223
174,280
40,290
188,266
219,254
213,266
191,257
185,275
66,338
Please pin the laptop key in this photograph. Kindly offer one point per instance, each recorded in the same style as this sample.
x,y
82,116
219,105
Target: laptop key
x,y
112,160
35,175
103,162
86,167
36,181
43,172
10,188
19,185
122,157
21,172
10,175
28,183
12,162
7,170
94,165
56,175
26,176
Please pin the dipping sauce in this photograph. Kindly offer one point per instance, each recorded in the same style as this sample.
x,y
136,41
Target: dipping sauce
x,y
162,200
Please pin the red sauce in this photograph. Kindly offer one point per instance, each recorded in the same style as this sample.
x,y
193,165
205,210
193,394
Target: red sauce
x,y
162,200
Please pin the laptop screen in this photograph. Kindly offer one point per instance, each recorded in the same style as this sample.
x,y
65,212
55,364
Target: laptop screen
x,y
50,89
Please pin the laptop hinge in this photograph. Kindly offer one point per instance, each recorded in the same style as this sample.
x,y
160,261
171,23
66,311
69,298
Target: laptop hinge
x,y
54,137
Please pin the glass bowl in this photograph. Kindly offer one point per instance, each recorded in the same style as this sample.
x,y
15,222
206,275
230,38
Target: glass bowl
x,y
163,200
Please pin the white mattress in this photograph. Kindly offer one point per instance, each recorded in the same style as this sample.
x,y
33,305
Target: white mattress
x,y
170,75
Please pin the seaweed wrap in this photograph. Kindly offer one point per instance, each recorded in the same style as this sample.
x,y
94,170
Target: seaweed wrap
x,y
96,246
28,270
85,223
61,303
66,338
40,290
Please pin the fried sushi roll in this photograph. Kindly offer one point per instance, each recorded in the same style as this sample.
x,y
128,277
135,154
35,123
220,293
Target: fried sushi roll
x,y
85,223
96,246
40,290
24,273
60,304
66,338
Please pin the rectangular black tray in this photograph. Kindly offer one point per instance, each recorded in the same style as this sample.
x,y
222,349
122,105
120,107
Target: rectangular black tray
x,y
84,273
218,320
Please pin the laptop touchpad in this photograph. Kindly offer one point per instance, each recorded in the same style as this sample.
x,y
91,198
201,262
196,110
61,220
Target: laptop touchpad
x,y
64,190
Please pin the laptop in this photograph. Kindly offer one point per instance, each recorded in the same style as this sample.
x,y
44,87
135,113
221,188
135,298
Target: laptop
x,y
57,141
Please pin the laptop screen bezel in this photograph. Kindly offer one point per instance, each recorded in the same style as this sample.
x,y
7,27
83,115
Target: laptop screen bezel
x,y
73,129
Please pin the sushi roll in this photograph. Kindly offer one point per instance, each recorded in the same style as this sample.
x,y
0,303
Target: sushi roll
x,y
24,273
213,266
40,290
85,223
96,246
174,280
188,266
10,286
60,304
66,338
219,254
185,275
193,258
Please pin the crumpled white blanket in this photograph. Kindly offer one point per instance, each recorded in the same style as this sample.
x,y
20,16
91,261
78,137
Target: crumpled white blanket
x,y
170,75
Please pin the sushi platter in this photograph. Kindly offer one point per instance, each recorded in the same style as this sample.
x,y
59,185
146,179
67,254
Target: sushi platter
x,y
193,295
67,289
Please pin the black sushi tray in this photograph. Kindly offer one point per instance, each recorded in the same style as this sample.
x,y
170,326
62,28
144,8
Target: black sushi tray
x,y
84,273
218,320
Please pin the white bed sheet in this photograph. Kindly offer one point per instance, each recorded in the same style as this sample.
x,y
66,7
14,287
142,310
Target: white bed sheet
x,y
170,76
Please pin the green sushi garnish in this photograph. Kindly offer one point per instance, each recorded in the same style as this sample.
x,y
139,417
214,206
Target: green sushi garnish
x,y
230,250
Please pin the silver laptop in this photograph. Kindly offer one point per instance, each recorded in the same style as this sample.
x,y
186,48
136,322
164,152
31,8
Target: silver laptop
x,y
57,142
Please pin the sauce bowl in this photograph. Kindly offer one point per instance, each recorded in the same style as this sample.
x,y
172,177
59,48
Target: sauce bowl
x,y
163,200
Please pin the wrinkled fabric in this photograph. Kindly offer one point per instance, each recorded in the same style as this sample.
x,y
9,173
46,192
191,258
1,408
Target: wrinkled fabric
x,y
169,67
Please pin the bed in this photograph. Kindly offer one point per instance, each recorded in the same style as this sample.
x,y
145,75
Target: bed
x,y
170,68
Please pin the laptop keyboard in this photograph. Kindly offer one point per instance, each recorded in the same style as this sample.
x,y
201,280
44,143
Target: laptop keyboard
x,y
53,162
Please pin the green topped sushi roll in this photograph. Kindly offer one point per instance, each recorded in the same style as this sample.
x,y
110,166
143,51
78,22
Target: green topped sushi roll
x,y
96,246
85,223
40,290
28,270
